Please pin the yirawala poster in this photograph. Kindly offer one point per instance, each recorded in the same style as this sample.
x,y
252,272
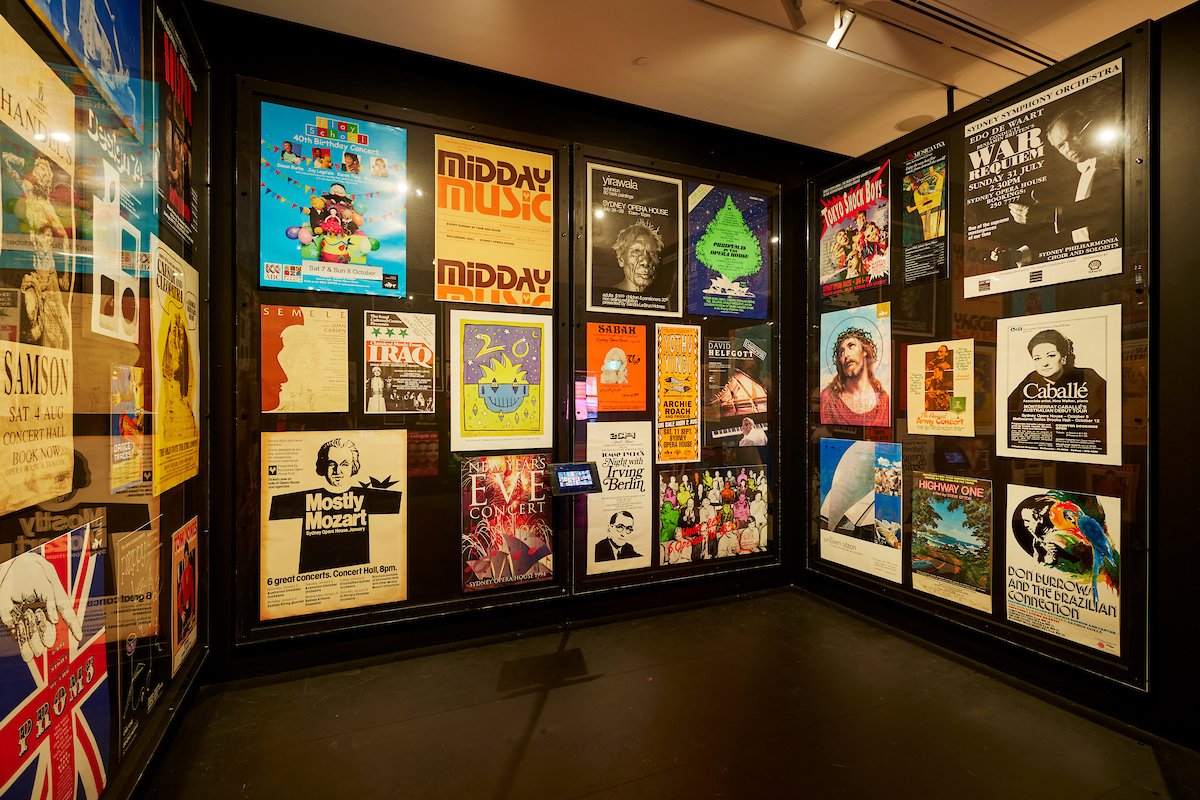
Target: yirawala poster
x,y
952,538
855,232
620,523
507,521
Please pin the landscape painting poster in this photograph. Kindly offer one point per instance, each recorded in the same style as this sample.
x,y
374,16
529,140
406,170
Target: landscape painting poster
x,y
1062,376
399,362
304,361
175,331
1045,186
738,388
941,388
620,524
926,248
677,393
1064,565
184,592
856,366
861,511
729,263
507,521
634,242
708,512
334,521
855,231
616,364
952,538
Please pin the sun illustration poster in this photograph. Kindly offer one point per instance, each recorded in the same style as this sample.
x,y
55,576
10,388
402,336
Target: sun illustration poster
x,y
501,381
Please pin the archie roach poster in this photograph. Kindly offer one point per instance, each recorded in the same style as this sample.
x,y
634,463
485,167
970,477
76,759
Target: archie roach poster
x,y
333,521
399,362
677,393
507,528
620,524
1045,186
854,232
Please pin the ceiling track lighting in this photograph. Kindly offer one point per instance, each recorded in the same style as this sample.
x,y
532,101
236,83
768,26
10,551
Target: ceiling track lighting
x,y
842,19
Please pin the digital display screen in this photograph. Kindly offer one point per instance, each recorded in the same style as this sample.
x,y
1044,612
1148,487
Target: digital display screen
x,y
577,478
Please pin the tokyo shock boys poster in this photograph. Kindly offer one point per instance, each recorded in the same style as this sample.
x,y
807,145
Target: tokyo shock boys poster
x,y
507,524
854,232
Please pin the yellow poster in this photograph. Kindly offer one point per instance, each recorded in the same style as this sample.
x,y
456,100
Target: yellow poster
x,y
174,324
677,393
494,224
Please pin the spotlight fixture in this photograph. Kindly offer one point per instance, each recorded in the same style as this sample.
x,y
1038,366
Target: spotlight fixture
x,y
794,14
842,19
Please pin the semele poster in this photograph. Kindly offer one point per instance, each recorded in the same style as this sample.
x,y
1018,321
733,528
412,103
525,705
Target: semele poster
x,y
399,362
620,524
175,330
677,393
507,524
304,362
854,232
952,538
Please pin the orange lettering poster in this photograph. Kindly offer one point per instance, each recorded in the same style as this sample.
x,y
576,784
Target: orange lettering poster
x,y
616,367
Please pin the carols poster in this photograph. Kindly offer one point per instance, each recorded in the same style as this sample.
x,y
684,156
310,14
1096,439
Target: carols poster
x,y
619,523
174,325
616,364
952,538
677,393
399,362
855,232
941,388
507,524
729,266
304,362
861,510
184,575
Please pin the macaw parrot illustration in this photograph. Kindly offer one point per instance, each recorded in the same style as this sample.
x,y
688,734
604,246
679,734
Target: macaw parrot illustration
x,y
1069,518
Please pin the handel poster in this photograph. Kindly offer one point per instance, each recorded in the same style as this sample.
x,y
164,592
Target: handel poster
x,y
507,527
1045,186
738,388
55,707
334,521
184,575
37,264
1062,376
494,224
677,393
501,381
856,366
926,248
729,266
952,538
634,241
304,361
941,388
854,232
1064,565
616,367
399,362
620,524
861,510
711,513
175,85
133,624
332,213
174,325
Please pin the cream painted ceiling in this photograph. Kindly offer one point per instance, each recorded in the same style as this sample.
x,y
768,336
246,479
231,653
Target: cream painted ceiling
x,y
741,63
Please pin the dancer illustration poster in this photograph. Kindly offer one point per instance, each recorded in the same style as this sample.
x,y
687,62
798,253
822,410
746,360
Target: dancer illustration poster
x,y
941,388
952,538
616,359
399,362
855,232
856,366
184,574
729,263
620,526
926,248
507,523
304,361
677,393
174,326
861,518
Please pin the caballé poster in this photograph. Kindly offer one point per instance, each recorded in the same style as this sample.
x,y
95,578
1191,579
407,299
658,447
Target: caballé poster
x,y
185,570
738,388
1064,565
1045,186
952,538
941,388
304,361
634,242
616,363
334,521
1061,373
175,328
861,511
926,250
729,267
507,522
501,380
399,362
620,523
677,393
494,224
856,366
855,232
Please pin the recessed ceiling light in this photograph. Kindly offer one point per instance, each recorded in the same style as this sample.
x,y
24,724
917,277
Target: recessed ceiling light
x,y
641,61
912,123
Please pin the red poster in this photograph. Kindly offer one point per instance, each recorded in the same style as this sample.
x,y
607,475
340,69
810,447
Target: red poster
x,y
507,530
616,366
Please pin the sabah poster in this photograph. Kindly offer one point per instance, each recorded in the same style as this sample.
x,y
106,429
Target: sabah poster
x,y
729,266
861,511
738,388
1045,186
1064,565
334,521
1062,374
494,224
174,325
634,241
620,524
952,538
856,366
501,381
926,248
854,232
333,214
710,513
507,524
304,361
399,362
185,569
677,393
616,364
941,388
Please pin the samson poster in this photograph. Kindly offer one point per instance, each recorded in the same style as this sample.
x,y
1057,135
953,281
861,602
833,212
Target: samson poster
x,y
333,214
494,224
711,513
729,264
174,326
926,248
507,522
616,364
334,521
620,524
1062,376
185,573
952,538
1045,186
856,366
303,358
677,393
175,86
634,242
399,361
854,232
941,388
1064,565
861,510
737,388
501,381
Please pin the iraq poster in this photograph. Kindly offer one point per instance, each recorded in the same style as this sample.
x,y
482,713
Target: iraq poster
x,y
634,242
507,523
1062,376
677,393
175,328
941,388
854,232
952,538
332,204
729,264
399,359
494,224
304,360
861,515
334,521
620,524
175,88
856,366
616,367
1045,186
185,573
501,381
709,513
738,388
1064,565
926,248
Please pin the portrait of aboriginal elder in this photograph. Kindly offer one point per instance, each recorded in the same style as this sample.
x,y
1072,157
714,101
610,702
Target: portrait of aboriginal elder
x,y
854,396
638,247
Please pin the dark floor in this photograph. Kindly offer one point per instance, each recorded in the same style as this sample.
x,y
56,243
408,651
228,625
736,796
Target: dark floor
x,y
780,695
